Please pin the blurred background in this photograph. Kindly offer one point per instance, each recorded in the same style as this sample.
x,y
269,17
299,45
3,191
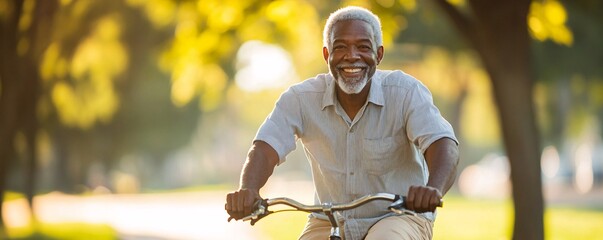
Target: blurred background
x,y
132,119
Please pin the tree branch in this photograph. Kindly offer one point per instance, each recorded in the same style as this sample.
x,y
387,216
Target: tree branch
x,y
462,23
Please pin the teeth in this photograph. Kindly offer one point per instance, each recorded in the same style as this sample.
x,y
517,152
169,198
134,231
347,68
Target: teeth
x,y
352,70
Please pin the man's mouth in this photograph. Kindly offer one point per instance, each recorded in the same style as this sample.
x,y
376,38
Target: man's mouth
x,y
352,71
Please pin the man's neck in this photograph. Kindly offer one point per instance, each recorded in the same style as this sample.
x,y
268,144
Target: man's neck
x,y
352,103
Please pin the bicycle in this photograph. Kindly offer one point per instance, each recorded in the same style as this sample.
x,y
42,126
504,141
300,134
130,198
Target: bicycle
x,y
328,208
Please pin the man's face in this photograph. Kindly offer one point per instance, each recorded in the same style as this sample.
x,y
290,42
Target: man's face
x,y
353,56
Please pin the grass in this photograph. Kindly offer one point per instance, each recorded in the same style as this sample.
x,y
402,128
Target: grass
x,y
574,224
285,225
66,231
473,219
9,196
466,219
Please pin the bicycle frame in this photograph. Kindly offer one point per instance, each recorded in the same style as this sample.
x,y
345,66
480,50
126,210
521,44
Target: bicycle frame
x,y
329,209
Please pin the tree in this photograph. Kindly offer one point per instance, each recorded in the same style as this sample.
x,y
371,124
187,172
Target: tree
x,y
498,31
22,44
9,97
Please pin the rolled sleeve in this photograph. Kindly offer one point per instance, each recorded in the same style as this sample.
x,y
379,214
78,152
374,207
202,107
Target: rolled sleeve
x,y
282,126
425,124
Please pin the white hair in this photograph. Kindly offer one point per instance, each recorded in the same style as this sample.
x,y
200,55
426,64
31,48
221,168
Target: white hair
x,y
352,13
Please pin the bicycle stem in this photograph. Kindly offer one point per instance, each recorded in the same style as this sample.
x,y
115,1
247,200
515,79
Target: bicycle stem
x,y
327,209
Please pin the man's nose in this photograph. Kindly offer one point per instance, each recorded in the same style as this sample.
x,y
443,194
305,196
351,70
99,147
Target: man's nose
x,y
352,54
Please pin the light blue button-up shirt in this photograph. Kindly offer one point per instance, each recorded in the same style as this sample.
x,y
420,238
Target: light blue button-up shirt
x,y
380,150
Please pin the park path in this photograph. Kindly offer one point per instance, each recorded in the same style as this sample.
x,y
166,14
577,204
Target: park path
x,y
187,215
145,216
191,215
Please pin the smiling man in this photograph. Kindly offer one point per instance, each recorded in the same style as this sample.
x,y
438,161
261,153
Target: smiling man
x,y
364,131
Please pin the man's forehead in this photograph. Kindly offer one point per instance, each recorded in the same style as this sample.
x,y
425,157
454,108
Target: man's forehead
x,y
352,28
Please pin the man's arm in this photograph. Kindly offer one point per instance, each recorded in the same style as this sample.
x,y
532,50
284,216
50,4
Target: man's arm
x,y
442,157
260,163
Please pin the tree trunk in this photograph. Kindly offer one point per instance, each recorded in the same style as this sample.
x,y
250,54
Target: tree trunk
x,y
9,96
498,32
28,123
20,86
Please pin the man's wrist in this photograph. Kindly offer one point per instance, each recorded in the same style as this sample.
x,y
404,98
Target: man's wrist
x,y
251,189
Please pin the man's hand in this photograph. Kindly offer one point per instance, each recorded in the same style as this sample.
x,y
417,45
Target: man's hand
x,y
423,199
239,204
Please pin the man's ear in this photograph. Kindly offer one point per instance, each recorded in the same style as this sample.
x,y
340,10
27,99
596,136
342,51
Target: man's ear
x,y
379,54
325,54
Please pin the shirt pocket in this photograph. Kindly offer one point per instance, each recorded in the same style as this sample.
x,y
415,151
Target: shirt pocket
x,y
379,155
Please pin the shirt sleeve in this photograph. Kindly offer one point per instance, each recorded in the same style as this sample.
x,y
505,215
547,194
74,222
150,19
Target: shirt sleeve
x,y
424,123
283,125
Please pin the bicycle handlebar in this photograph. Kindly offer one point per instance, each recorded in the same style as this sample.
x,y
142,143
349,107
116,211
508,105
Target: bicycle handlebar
x,y
335,207
397,205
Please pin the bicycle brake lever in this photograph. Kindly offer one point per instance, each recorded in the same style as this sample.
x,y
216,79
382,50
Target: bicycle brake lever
x,y
398,204
398,207
259,213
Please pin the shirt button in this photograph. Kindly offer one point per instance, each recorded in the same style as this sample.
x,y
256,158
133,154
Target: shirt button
x,y
351,130
352,173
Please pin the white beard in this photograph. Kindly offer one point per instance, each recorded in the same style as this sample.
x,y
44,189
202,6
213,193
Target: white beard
x,y
352,86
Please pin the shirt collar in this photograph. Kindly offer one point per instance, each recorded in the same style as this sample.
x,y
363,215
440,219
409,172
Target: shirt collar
x,y
328,99
375,93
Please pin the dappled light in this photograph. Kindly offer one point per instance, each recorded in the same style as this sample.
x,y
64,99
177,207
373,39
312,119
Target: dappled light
x,y
261,66
547,20
159,12
479,118
583,162
550,162
82,90
445,74
210,79
488,178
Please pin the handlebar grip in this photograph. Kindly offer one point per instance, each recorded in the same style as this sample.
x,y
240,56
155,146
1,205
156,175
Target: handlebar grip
x,y
440,204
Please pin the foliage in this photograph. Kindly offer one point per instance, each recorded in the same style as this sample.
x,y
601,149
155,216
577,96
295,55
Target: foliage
x,y
208,33
547,20
570,76
79,78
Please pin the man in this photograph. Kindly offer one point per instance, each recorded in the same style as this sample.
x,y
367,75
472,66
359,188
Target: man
x,y
364,131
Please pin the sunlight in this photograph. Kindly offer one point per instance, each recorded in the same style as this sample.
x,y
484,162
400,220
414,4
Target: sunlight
x,y
550,161
583,179
489,178
547,20
263,66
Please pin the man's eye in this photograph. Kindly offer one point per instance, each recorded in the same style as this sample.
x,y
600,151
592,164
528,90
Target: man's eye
x,y
338,47
364,47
